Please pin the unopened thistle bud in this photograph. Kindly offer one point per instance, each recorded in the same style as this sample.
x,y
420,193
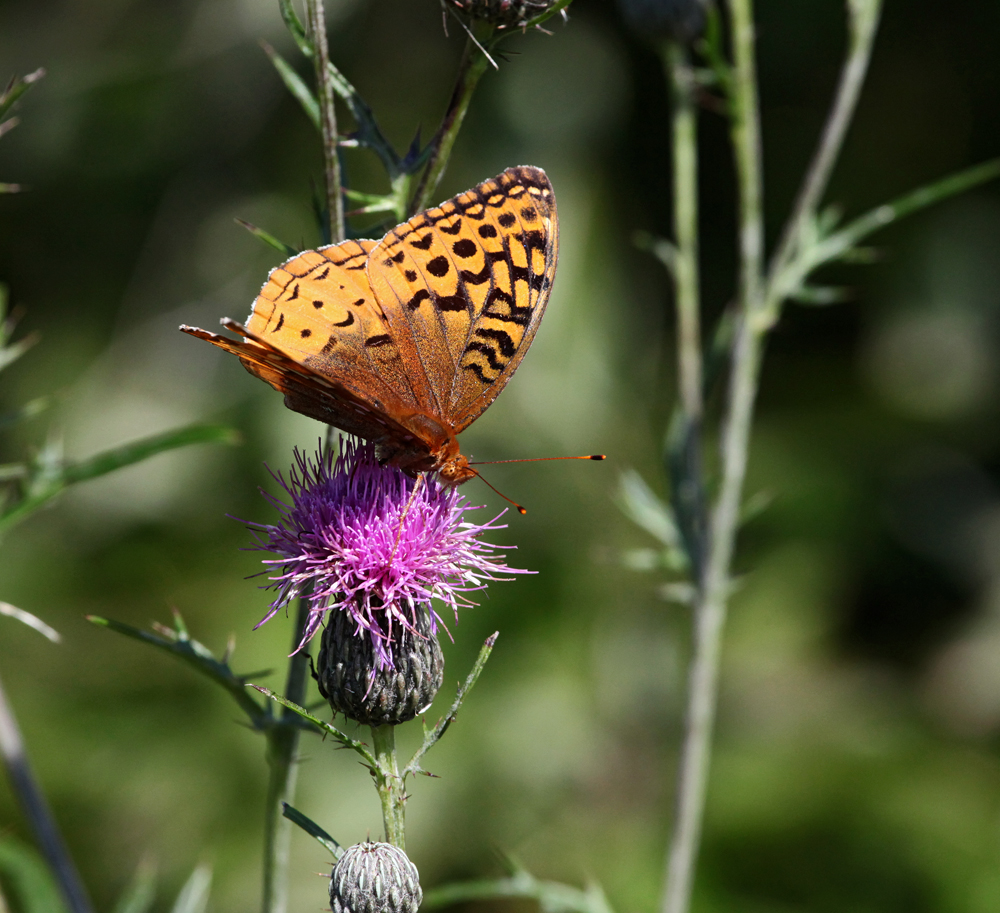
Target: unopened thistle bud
x,y
374,878
678,20
504,14
352,680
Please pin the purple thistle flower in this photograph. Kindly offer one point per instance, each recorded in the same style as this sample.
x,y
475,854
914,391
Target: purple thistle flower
x,y
368,540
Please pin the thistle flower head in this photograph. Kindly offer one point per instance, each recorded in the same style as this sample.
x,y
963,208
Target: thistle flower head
x,y
371,542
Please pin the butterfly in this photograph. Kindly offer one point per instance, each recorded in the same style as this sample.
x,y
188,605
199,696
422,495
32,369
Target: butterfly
x,y
407,340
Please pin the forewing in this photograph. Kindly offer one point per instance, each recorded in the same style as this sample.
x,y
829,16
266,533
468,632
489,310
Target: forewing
x,y
305,390
319,310
317,335
463,288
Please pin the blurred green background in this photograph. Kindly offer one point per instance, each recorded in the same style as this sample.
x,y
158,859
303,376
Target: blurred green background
x,y
857,766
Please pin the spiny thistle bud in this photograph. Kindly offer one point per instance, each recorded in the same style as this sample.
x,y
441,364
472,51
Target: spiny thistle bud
x,y
504,14
374,878
350,678
679,20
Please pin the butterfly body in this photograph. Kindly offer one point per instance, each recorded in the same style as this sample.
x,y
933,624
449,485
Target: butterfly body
x,y
405,341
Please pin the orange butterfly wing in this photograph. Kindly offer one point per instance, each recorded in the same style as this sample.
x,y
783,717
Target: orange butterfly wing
x,y
464,286
317,335
407,340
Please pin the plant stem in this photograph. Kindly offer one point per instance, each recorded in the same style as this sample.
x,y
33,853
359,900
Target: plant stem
x,y
864,20
470,70
328,119
36,810
684,436
711,604
389,784
685,267
282,745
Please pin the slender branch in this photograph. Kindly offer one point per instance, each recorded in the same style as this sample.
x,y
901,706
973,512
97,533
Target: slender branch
x,y
282,745
864,20
684,436
328,118
36,810
710,608
389,784
685,162
474,63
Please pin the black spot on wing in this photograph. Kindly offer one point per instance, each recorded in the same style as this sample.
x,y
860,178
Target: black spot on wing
x,y
488,352
418,298
375,341
457,302
451,229
506,219
317,304
438,267
487,231
347,321
281,322
411,275
465,248
424,243
476,278
501,338
478,371
500,306
305,334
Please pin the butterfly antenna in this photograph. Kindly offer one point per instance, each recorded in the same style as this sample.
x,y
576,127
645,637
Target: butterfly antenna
x,y
521,510
589,456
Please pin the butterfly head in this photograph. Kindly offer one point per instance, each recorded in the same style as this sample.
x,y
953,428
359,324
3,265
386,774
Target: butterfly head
x,y
456,469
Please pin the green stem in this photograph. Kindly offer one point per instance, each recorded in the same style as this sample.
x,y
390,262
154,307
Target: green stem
x,y
36,810
685,162
389,784
282,745
328,118
684,436
710,608
470,70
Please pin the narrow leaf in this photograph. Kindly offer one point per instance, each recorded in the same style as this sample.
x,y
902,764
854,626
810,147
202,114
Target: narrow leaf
x,y
193,897
324,728
640,503
840,242
294,83
552,896
16,88
10,354
56,477
32,621
295,27
312,829
430,738
820,295
28,411
25,880
285,249
200,657
140,894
